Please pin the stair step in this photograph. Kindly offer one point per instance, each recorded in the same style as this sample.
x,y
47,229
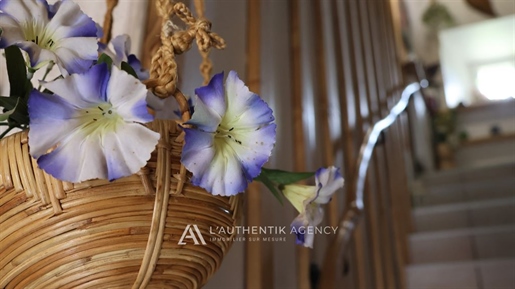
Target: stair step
x,y
463,244
482,274
465,184
466,192
468,174
462,215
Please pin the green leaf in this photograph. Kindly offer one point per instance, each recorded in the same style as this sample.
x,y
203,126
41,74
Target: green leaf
x,y
8,102
284,177
104,58
127,68
4,116
20,116
17,70
271,186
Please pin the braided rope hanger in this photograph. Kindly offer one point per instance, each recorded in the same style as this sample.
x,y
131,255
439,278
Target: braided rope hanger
x,y
163,73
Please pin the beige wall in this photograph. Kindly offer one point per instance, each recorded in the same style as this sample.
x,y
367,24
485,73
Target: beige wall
x,y
425,44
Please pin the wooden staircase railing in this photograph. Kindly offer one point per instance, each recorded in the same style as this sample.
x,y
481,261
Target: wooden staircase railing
x,y
351,217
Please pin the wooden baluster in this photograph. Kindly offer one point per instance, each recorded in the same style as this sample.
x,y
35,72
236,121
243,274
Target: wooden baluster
x,y
372,205
299,159
394,163
254,260
323,103
332,266
382,183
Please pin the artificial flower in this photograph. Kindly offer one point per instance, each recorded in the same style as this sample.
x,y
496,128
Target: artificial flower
x,y
119,50
232,136
308,201
61,33
90,128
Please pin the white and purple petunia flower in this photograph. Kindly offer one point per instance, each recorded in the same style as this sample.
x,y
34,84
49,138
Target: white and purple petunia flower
x,y
232,136
308,201
91,127
119,50
61,33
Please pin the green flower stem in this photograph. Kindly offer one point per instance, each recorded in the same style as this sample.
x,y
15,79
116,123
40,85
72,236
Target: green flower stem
x,y
30,73
47,71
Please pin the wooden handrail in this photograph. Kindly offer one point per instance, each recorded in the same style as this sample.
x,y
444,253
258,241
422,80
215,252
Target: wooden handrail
x,y
352,216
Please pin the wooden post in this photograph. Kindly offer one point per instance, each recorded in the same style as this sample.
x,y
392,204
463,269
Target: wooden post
x,y
299,151
361,246
372,205
323,115
151,41
253,250
381,67
391,146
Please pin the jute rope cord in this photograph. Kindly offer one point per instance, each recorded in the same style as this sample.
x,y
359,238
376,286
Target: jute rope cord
x,y
206,66
163,73
121,234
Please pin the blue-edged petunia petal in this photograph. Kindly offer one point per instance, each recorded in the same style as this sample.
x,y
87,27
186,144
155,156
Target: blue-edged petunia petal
x,y
204,117
11,31
213,167
121,45
244,108
212,95
79,157
79,133
61,33
51,120
141,72
76,55
308,200
25,11
69,21
198,151
253,147
133,108
238,126
224,175
83,90
119,51
328,181
127,149
303,236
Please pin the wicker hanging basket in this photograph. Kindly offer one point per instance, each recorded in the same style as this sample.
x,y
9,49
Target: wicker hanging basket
x,y
99,234
121,234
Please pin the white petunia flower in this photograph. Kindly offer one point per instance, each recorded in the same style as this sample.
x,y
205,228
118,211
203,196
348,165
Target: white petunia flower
x,y
91,126
61,33
308,201
232,136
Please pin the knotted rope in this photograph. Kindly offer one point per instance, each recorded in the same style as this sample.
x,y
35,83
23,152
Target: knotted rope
x,y
206,66
163,74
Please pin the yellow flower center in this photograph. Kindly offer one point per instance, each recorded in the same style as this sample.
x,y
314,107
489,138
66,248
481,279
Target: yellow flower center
x,y
99,119
36,33
223,132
